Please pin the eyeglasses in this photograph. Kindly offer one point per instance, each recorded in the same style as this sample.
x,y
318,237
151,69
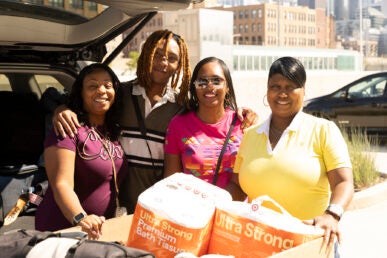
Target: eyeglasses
x,y
202,83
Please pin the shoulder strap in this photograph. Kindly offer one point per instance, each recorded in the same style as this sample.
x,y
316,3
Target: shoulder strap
x,y
141,123
140,119
223,149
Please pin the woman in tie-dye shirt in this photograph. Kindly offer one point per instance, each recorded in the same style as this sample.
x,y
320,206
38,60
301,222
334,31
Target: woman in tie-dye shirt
x,y
195,138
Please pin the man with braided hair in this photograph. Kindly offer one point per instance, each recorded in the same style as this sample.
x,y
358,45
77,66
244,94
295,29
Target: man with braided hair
x,y
162,65
149,102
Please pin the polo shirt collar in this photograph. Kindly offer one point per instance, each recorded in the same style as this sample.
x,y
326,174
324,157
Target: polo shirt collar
x,y
295,125
169,95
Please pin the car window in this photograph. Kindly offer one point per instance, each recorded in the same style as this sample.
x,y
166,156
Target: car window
x,y
380,88
5,85
340,94
369,88
47,81
29,83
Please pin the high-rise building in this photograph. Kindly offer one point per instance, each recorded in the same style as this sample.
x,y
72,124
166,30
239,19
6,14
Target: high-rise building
x,y
313,4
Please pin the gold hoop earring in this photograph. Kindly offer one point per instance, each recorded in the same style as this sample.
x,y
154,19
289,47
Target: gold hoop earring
x,y
263,100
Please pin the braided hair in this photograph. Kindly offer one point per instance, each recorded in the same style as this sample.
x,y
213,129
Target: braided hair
x,y
145,63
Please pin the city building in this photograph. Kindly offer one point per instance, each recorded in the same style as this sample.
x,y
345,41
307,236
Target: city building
x,y
245,37
271,24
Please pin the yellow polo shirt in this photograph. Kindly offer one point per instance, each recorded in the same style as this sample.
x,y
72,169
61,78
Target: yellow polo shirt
x,y
295,173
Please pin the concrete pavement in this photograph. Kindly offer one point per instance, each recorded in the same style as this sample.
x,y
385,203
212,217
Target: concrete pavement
x,y
364,232
364,224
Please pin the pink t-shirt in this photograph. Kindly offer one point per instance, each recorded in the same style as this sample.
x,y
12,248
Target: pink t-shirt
x,y
199,145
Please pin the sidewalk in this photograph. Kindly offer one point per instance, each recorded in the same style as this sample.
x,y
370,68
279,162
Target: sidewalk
x,y
364,224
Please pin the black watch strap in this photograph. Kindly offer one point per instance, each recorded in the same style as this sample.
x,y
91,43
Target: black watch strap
x,y
77,218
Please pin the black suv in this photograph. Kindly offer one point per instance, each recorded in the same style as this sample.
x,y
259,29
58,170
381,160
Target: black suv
x,y
361,104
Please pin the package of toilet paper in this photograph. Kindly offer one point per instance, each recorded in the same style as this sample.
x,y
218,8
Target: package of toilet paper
x,y
244,229
176,215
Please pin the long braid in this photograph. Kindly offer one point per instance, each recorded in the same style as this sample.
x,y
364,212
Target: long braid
x,y
186,77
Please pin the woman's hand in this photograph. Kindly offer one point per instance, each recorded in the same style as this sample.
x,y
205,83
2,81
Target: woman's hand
x,y
235,190
330,225
92,225
65,121
247,116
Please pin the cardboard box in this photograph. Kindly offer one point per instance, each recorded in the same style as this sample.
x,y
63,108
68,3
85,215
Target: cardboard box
x,y
311,249
117,229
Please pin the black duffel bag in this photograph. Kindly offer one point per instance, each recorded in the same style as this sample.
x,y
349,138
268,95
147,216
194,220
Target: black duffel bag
x,y
33,244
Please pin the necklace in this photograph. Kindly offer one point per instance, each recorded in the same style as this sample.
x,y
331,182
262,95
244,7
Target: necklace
x,y
103,139
106,144
274,135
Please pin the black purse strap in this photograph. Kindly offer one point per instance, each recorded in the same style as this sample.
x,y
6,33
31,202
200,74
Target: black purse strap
x,y
216,175
141,123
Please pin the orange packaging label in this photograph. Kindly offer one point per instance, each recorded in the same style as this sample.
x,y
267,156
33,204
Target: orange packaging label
x,y
165,238
243,237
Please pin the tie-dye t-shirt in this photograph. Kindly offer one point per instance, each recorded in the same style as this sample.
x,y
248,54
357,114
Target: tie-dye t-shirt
x,y
199,145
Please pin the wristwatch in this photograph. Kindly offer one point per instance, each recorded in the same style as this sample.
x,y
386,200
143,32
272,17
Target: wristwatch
x,y
77,218
335,210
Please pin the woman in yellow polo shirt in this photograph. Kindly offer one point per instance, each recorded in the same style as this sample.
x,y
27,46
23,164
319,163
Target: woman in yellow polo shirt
x,y
299,160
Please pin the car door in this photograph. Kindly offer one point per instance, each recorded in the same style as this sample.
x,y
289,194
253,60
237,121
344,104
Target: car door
x,y
365,104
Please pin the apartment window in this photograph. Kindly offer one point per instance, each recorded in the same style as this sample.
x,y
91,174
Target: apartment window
x,y
76,4
259,13
246,14
253,14
260,41
246,28
240,14
240,28
254,27
57,3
